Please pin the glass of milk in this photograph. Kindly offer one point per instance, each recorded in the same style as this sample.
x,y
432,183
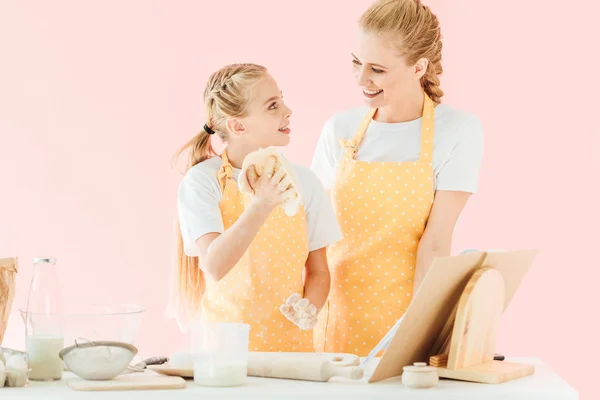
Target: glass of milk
x,y
44,329
220,352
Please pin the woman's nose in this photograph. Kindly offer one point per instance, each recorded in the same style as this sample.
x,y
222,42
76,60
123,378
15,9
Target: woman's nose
x,y
362,77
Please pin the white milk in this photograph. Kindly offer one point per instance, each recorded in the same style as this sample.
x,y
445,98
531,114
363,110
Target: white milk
x,y
44,362
220,374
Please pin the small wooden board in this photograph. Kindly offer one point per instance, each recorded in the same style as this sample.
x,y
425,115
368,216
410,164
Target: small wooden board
x,y
166,369
490,372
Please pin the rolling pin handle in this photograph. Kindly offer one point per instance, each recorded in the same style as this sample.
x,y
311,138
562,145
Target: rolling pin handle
x,y
352,372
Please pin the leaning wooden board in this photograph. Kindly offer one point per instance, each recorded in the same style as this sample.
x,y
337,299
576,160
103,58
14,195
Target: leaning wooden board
x,y
434,302
129,382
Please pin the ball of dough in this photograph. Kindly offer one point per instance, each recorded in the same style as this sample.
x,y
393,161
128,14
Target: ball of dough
x,y
268,161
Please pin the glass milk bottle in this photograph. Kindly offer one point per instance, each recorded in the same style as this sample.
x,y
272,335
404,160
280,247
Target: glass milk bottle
x,y
43,322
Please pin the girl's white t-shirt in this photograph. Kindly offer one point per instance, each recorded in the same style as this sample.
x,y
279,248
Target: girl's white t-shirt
x,y
457,145
199,196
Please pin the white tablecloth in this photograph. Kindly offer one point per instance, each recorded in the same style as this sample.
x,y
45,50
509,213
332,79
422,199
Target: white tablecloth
x,y
544,384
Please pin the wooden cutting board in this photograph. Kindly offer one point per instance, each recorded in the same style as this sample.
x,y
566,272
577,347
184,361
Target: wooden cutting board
x,y
129,382
477,320
471,356
167,369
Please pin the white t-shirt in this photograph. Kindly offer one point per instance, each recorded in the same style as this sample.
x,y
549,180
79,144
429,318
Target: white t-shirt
x,y
199,196
457,145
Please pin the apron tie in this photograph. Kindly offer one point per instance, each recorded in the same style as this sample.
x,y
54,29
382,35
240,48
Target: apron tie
x,y
350,146
225,172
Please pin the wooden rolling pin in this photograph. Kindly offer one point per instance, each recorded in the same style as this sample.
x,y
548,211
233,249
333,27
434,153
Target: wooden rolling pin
x,y
319,367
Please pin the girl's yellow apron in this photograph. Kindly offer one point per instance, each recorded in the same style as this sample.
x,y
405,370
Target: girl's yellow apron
x,y
267,274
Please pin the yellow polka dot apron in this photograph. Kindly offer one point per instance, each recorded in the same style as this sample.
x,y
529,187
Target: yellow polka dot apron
x,y
382,209
266,275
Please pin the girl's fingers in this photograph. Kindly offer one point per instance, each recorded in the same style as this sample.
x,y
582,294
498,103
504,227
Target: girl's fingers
x,y
288,194
270,163
279,175
293,299
285,183
251,176
301,305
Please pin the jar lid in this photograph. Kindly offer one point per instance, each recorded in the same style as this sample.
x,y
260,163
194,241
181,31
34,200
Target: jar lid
x,y
419,367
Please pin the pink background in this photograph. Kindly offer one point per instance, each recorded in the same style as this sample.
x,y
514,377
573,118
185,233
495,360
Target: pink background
x,y
96,98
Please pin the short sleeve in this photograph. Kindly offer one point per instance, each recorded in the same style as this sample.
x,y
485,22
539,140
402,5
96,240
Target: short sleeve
x,y
198,208
461,171
323,228
324,163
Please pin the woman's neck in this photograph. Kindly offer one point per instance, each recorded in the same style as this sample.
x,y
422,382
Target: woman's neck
x,y
408,109
237,152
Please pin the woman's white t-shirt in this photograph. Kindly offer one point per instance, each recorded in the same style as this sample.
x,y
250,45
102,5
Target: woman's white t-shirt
x,y
457,145
199,196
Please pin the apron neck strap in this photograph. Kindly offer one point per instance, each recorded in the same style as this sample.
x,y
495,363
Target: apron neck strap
x,y
225,172
427,130
351,145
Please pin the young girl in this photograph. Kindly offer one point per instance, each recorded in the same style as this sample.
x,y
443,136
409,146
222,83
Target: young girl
x,y
241,258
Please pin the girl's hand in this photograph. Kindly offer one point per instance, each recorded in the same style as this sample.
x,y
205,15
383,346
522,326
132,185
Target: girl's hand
x,y
300,312
272,188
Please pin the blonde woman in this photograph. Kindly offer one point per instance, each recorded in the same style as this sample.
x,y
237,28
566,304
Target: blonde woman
x,y
241,257
400,170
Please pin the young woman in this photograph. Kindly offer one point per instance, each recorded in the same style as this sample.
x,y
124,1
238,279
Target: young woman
x,y
241,257
400,171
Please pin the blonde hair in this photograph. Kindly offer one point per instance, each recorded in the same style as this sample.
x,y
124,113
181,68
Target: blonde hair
x,y
419,33
228,94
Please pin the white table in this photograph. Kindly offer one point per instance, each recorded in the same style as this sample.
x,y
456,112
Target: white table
x,y
544,384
